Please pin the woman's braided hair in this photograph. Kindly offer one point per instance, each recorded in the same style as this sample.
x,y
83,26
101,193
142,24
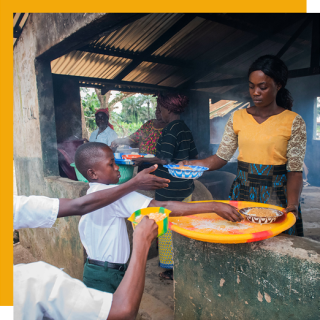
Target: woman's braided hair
x,y
276,69
173,102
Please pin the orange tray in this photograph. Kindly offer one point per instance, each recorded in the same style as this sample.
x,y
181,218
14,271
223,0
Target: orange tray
x,y
209,227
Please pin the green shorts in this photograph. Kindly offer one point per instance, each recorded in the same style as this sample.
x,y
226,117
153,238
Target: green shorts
x,y
102,278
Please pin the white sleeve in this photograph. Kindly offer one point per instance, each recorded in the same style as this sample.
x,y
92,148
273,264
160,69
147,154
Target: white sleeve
x,y
130,203
92,136
34,212
112,136
42,290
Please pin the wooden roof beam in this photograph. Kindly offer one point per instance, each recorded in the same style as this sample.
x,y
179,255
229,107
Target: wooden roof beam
x,y
234,54
180,24
120,85
315,47
133,56
283,50
227,20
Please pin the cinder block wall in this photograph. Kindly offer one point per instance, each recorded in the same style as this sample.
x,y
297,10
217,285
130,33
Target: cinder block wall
x,y
278,278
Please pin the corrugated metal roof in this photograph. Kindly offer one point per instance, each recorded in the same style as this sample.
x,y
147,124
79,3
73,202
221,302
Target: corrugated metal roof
x,y
138,35
85,64
198,45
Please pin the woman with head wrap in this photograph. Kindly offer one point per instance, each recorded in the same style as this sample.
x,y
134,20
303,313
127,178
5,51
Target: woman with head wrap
x,y
145,138
271,140
105,132
174,145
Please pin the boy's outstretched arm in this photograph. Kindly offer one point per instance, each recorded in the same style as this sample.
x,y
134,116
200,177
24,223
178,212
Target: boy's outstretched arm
x,y
127,298
94,201
185,209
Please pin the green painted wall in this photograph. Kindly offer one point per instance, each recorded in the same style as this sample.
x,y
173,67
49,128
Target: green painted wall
x,y
278,278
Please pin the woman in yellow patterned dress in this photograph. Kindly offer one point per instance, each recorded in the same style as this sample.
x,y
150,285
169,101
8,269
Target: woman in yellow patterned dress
x,y
271,140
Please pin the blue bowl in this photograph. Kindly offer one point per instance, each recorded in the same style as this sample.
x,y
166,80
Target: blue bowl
x,y
195,173
127,162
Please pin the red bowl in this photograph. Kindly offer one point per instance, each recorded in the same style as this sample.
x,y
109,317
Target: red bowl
x,y
131,156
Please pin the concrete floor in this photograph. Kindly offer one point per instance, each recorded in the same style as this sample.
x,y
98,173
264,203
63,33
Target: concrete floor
x,y
310,208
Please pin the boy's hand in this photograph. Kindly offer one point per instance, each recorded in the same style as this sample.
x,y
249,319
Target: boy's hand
x,y
146,231
228,212
146,181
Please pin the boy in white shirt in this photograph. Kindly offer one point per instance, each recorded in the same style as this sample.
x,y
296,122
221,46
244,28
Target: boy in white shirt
x,y
103,232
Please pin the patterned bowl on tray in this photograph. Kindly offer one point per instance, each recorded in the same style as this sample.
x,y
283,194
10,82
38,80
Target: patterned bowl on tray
x,y
261,220
195,172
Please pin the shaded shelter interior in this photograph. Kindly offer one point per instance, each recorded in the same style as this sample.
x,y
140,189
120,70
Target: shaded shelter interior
x,y
205,56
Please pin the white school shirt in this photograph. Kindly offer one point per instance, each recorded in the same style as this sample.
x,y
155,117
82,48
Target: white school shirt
x,y
42,291
106,136
34,212
103,232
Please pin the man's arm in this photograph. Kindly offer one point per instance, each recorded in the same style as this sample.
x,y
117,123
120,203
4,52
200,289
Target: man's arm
x,y
127,298
185,209
94,201
153,160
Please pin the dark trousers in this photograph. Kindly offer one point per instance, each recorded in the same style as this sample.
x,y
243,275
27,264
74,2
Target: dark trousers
x,y
102,278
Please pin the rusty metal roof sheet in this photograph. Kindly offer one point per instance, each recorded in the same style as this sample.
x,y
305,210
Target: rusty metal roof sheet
x,y
199,45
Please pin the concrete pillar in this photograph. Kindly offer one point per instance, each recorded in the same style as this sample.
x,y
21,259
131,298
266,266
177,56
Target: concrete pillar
x,y
67,105
277,278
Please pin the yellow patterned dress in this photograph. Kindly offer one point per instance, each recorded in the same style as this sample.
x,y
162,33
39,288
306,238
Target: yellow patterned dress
x,y
267,151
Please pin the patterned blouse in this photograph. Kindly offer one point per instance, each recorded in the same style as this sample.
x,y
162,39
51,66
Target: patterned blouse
x,y
147,137
281,139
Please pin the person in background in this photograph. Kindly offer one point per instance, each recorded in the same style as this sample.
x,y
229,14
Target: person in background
x,y
42,291
272,143
105,132
174,145
145,138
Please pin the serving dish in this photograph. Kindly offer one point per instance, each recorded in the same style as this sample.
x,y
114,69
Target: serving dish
x,y
194,173
261,220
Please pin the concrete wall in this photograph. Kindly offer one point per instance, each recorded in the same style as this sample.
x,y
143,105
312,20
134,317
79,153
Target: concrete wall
x,y
304,92
278,278
35,137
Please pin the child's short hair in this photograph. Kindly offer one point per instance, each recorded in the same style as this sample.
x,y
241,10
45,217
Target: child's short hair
x,y
87,155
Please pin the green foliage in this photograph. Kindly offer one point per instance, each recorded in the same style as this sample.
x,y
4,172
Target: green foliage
x,y
139,108
136,110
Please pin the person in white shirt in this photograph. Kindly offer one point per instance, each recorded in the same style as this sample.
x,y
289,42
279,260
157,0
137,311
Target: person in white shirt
x,y
105,132
103,232
42,291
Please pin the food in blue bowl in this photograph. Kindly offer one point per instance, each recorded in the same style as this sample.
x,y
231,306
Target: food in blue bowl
x,y
186,172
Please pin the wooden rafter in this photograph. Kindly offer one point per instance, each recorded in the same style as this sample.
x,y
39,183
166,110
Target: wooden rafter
x,y
180,24
315,47
134,56
119,85
234,54
304,24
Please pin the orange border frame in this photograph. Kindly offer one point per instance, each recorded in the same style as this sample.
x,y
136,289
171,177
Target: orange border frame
x,y
7,8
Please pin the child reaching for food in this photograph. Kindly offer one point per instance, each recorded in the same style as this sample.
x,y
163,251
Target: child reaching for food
x,y
103,232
